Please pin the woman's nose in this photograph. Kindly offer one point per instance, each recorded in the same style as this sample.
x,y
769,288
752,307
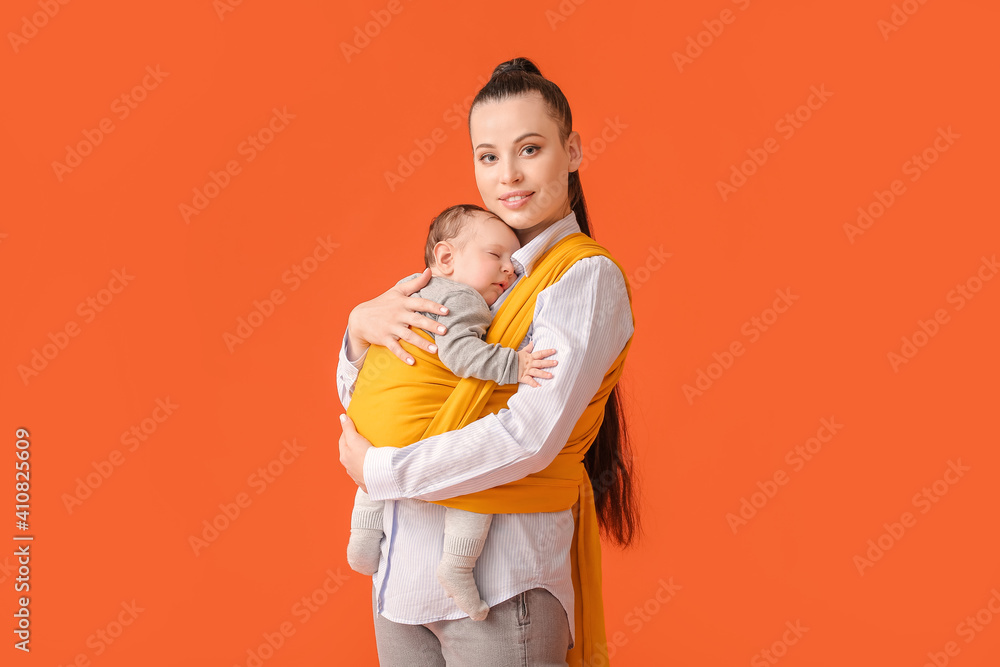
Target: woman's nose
x,y
511,173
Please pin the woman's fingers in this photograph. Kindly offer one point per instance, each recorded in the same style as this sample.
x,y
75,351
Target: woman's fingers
x,y
397,349
394,316
426,323
410,286
421,305
415,339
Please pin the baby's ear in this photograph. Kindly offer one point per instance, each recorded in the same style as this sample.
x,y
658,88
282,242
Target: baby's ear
x,y
444,257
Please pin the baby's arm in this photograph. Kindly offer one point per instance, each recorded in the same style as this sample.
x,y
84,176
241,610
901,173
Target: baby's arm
x,y
466,354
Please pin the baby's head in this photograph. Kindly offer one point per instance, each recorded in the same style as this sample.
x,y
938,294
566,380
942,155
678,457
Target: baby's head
x,y
470,245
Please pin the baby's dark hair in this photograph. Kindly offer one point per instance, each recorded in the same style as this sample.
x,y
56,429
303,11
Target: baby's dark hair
x,y
447,226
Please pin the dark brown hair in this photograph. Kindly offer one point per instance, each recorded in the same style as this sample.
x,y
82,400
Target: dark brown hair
x,y
609,459
447,226
520,76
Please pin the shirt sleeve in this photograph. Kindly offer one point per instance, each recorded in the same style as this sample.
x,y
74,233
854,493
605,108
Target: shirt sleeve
x,y
347,372
463,349
587,319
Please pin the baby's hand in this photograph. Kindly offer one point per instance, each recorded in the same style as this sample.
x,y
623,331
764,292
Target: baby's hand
x,y
530,364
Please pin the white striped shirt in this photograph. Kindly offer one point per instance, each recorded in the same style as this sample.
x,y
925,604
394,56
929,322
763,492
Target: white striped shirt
x,y
585,317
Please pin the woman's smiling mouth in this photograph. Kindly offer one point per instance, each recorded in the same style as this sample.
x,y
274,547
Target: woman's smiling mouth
x,y
517,199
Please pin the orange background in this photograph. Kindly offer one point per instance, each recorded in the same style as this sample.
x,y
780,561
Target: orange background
x,y
652,189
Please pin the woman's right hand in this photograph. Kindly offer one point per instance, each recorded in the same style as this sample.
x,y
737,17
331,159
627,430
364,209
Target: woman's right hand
x,y
385,319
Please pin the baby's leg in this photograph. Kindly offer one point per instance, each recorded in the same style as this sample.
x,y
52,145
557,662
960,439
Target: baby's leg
x,y
366,534
464,536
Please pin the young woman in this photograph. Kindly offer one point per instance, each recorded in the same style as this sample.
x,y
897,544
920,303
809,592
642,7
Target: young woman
x,y
526,160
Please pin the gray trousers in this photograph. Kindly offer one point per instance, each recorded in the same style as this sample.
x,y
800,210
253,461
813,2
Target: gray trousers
x,y
527,630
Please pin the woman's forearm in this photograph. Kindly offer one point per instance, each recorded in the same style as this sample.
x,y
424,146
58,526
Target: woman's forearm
x,y
586,317
356,345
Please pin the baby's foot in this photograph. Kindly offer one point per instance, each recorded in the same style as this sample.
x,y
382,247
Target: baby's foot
x,y
363,550
455,575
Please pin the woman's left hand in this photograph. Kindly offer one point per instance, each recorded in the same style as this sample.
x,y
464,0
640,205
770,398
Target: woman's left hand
x,y
353,447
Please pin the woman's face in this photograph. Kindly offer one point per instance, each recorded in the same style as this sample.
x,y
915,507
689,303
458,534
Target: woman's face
x,y
522,169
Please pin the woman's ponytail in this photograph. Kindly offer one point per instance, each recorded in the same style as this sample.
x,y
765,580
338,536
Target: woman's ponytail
x,y
608,460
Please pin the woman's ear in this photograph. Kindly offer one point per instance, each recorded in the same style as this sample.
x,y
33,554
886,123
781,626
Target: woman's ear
x,y
444,258
574,148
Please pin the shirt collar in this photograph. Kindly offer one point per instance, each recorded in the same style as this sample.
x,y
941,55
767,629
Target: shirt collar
x,y
524,258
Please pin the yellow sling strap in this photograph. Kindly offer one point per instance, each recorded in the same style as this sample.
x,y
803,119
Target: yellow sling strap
x,y
396,405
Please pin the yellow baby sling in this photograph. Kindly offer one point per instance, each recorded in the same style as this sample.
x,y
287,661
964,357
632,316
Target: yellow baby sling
x,y
396,405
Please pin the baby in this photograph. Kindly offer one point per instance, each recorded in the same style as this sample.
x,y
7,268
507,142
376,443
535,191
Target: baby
x,y
469,253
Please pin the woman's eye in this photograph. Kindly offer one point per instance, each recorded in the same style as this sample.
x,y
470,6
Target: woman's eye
x,y
533,150
487,157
